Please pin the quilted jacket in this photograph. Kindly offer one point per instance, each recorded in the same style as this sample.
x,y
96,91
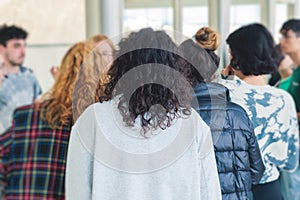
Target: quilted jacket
x,y
237,153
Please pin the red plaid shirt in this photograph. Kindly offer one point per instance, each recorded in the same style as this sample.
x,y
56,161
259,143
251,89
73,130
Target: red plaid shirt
x,y
33,157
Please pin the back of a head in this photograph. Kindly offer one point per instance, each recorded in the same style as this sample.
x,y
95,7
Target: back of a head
x,y
11,32
98,38
58,101
143,47
253,50
209,40
291,24
196,62
143,74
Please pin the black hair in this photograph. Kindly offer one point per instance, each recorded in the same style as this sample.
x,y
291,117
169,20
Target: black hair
x,y
11,32
150,51
291,24
253,50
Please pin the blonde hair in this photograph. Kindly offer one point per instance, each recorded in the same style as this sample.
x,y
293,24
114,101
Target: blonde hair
x,y
96,39
207,38
57,102
87,86
93,75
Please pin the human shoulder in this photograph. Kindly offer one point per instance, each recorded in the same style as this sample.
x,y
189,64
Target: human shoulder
x,y
195,118
235,108
89,116
281,92
24,69
238,116
195,123
26,108
232,83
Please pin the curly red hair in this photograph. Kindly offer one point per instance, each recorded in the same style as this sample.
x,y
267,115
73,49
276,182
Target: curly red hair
x,y
57,102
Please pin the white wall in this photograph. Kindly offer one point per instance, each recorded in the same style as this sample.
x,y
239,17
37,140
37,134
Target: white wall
x,y
53,26
41,58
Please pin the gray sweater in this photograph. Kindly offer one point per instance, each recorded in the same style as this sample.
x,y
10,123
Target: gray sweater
x,y
107,160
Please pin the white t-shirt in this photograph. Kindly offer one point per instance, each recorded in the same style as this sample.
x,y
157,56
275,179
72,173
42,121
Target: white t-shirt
x,y
108,160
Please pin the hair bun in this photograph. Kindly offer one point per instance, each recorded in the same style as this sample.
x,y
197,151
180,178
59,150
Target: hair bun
x,y
207,38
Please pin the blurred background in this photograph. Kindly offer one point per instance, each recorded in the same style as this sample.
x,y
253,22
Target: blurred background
x,y
54,25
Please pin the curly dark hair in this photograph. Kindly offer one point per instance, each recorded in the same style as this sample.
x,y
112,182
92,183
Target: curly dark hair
x,y
144,74
11,32
253,50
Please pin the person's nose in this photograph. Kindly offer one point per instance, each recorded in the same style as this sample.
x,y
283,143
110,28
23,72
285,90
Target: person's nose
x,y
23,51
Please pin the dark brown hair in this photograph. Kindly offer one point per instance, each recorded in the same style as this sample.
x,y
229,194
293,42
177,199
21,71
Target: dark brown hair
x,y
154,85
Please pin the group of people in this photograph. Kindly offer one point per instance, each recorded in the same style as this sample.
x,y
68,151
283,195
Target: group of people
x,y
152,119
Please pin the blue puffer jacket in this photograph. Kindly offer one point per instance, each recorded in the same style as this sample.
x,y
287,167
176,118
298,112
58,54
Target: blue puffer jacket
x,y
237,153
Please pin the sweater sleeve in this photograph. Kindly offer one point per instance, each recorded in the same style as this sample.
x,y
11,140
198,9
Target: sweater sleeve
x,y
79,169
37,87
5,147
292,152
257,166
209,179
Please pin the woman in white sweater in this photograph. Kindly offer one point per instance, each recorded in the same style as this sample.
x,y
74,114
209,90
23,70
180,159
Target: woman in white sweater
x,y
143,142
271,110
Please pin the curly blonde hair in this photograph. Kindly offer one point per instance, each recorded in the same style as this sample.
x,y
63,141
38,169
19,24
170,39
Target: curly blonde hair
x,y
87,86
93,75
57,102
98,38
207,38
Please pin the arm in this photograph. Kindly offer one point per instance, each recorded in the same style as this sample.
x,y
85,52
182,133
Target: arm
x,y
78,171
292,151
2,76
209,179
37,88
3,72
257,167
5,146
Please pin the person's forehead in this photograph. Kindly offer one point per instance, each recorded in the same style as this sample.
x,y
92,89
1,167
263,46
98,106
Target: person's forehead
x,y
16,41
287,31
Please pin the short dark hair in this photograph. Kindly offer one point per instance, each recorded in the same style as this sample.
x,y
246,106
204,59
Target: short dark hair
x,y
197,63
253,50
154,50
11,32
291,24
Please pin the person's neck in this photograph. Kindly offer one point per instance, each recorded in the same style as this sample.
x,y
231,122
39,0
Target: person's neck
x,y
254,80
12,69
296,58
